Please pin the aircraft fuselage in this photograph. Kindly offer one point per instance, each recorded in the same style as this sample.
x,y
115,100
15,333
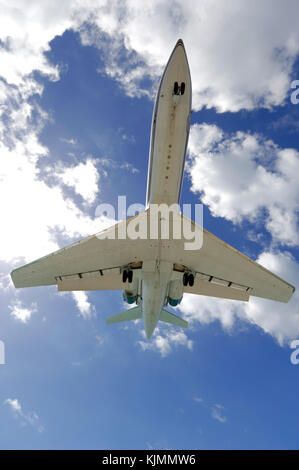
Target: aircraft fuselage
x,y
168,144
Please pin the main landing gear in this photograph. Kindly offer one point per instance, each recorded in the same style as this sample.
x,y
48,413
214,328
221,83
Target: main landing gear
x,y
188,279
127,275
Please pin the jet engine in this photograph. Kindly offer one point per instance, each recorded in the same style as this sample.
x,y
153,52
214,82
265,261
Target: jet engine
x,y
175,293
129,296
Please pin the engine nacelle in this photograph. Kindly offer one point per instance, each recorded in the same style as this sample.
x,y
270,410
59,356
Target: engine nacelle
x,y
175,293
130,294
129,297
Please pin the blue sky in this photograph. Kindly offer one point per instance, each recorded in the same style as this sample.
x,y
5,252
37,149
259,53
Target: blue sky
x,y
77,89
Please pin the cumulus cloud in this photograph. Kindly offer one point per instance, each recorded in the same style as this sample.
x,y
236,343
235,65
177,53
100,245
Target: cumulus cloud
x,y
85,308
83,178
239,176
241,53
33,210
164,342
240,57
247,177
30,418
20,312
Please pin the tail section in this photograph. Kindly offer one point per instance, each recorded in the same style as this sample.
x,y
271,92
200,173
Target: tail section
x,y
131,314
168,317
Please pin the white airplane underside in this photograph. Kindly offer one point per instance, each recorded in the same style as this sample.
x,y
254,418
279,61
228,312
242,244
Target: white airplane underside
x,y
154,273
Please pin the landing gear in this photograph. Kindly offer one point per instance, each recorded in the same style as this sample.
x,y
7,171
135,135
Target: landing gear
x,y
178,90
127,275
188,279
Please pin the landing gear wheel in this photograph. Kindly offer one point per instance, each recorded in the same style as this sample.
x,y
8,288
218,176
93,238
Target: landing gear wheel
x,y
125,275
188,279
182,88
176,88
130,276
185,279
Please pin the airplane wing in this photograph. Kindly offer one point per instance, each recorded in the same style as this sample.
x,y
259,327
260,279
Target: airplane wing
x,y
96,261
91,263
223,271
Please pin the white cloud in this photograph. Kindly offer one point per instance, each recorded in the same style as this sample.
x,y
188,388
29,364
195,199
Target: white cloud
x,y
26,33
216,410
165,343
30,418
240,53
34,211
241,175
5,282
280,320
198,399
217,413
112,164
85,308
84,178
69,141
20,312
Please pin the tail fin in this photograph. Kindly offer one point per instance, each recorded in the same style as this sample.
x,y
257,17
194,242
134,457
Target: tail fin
x,y
131,314
168,317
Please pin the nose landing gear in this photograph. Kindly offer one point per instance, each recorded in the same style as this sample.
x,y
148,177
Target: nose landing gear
x,y
178,90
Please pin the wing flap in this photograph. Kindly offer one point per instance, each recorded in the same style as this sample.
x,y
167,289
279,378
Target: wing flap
x,y
213,290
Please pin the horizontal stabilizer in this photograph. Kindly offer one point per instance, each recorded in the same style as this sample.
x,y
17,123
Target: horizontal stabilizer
x,y
131,314
168,317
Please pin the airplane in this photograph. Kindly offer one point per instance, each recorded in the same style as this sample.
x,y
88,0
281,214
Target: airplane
x,y
156,272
